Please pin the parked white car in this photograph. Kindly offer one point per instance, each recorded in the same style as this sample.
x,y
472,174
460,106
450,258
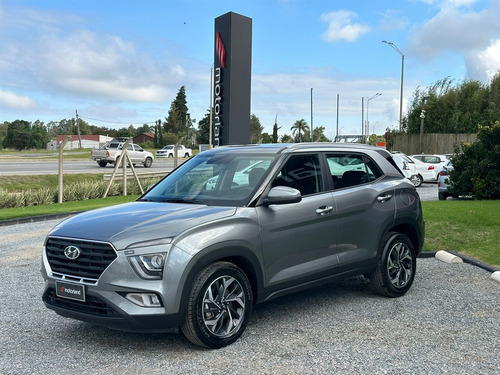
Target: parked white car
x,y
426,171
168,152
407,167
437,161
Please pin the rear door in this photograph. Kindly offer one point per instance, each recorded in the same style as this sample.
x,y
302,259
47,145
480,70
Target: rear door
x,y
365,204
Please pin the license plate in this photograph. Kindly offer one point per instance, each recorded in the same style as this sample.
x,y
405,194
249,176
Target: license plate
x,y
70,291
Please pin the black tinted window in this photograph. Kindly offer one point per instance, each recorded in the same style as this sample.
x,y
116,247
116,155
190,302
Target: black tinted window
x,y
351,170
303,173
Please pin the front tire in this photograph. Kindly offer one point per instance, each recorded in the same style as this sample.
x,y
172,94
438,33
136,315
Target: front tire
x,y
396,266
148,162
219,306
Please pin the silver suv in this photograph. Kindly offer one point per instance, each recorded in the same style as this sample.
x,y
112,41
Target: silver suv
x,y
232,227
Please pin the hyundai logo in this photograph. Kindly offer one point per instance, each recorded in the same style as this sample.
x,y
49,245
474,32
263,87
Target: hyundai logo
x,y
72,252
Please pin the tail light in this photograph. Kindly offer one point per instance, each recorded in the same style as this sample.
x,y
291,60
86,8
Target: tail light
x,y
444,172
431,168
107,154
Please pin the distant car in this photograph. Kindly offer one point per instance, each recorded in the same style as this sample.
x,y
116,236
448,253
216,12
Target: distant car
x,y
407,167
437,160
443,181
168,152
426,171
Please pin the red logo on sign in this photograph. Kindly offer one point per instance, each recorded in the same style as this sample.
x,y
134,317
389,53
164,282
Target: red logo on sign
x,y
221,51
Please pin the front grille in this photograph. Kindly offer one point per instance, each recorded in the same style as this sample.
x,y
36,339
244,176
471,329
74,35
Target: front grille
x,y
94,258
93,305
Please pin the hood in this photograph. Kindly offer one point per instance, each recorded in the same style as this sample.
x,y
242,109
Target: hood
x,y
138,221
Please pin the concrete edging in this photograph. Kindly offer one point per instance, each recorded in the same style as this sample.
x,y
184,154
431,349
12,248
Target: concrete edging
x,y
454,257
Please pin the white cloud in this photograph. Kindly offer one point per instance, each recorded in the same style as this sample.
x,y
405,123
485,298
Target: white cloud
x,y
473,34
484,64
11,100
341,27
453,30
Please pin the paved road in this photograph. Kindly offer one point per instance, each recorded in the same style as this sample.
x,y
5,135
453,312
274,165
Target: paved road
x,y
28,167
449,323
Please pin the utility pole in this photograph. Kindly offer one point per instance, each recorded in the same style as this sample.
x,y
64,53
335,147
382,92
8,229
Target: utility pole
x,y
312,133
78,130
338,98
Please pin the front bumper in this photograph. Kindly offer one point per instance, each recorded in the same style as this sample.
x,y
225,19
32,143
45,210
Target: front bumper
x,y
105,301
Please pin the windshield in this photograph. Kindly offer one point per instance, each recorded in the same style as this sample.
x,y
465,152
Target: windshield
x,y
225,179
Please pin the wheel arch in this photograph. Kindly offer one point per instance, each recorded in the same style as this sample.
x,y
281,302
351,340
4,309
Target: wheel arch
x,y
410,231
239,255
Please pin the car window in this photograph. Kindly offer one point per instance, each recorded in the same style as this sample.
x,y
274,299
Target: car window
x,y
227,180
433,159
350,170
302,172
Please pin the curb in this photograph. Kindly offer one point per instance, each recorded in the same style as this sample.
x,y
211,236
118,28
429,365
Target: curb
x,y
454,257
34,219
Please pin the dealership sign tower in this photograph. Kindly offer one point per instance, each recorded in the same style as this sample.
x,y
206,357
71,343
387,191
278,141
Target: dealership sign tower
x,y
232,76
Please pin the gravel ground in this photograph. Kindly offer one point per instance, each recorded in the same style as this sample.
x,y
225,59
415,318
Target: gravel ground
x,y
448,323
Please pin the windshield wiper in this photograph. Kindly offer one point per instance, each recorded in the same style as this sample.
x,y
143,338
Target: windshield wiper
x,y
181,200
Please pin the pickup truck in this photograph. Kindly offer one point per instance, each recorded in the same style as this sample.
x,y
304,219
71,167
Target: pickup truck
x,y
168,152
109,154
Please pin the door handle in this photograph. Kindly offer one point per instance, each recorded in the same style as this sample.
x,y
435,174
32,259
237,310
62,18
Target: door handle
x,y
384,198
324,210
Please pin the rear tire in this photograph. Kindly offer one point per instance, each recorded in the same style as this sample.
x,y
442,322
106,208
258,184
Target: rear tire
x,y
396,266
219,306
102,164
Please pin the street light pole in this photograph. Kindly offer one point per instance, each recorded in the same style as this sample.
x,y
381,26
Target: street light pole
x,y
402,75
312,134
367,131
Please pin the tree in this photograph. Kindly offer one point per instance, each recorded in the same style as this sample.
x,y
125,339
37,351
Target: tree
x,y
204,129
459,109
3,132
285,138
145,128
255,130
18,133
158,134
300,127
178,121
267,138
319,134
476,168
275,130
38,136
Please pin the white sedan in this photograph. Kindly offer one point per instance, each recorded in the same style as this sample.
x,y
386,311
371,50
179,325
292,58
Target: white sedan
x,y
427,172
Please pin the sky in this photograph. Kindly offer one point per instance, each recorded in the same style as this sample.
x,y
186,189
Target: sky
x,y
122,62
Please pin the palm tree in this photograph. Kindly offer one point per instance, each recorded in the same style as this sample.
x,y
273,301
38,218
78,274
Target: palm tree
x,y
300,126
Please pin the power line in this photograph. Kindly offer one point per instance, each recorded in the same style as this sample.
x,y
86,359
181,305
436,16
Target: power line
x,y
117,122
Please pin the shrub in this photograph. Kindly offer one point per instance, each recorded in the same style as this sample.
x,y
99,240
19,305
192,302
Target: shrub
x,y
477,168
78,191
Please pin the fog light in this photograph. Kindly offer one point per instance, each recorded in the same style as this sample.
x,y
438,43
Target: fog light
x,y
144,299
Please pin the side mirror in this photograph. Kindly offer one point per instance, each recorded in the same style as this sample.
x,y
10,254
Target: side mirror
x,y
282,195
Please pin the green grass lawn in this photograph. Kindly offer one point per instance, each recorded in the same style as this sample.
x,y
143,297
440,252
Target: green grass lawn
x,y
469,227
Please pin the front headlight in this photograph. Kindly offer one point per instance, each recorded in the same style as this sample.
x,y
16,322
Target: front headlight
x,y
148,266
